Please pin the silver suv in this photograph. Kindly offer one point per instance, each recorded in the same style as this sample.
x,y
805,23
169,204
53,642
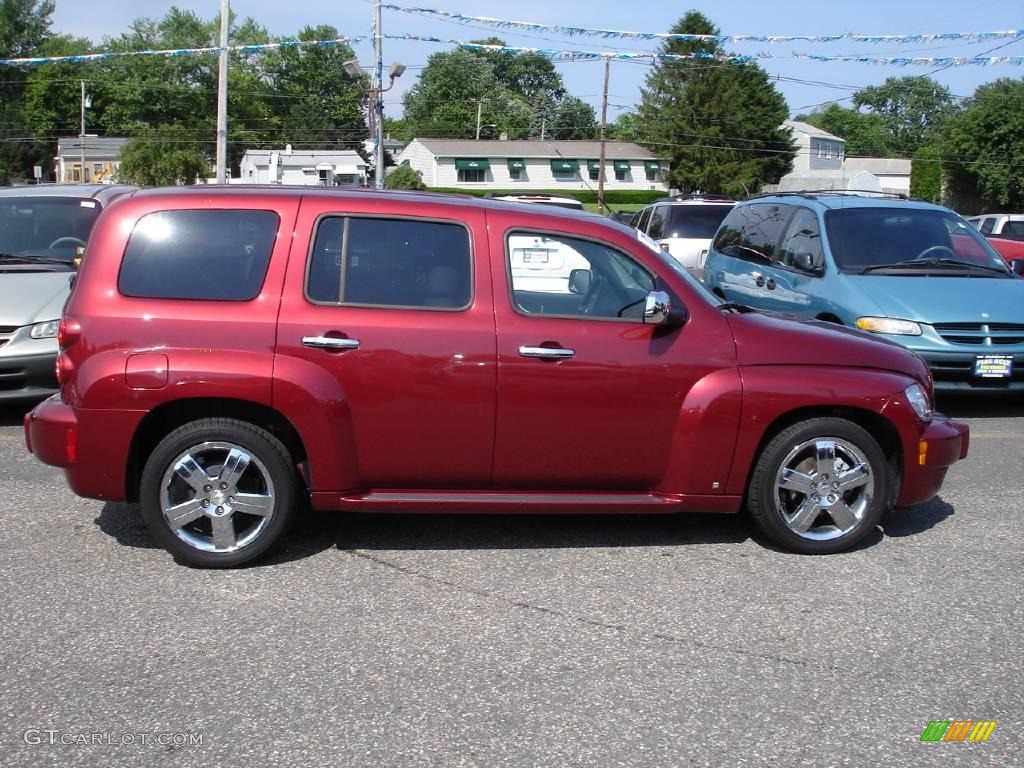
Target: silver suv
x,y
43,231
684,225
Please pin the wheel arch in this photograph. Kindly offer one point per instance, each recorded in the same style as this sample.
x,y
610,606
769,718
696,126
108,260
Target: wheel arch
x,y
163,419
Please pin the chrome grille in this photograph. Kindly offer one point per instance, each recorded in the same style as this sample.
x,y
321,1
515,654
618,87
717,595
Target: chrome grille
x,y
978,334
6,332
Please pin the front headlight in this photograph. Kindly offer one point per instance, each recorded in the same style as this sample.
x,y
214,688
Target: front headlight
x,y
919,401
889,325
45,330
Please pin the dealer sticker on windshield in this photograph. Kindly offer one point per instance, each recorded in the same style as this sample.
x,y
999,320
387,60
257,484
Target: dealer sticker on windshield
x,y
993,366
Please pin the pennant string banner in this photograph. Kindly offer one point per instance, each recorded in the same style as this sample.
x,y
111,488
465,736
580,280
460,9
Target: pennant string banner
x,y
623,34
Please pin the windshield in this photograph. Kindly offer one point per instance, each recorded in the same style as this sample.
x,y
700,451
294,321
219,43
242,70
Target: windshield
x,y
904,239
698,221
679,269
51,227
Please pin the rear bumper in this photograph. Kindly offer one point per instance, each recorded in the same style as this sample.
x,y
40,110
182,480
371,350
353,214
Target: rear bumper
x,y
943,442
25,378
92,446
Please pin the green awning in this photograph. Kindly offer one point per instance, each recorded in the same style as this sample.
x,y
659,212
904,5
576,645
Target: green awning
x,y
652,165
621,165
565,165
593,165
466,164
516,165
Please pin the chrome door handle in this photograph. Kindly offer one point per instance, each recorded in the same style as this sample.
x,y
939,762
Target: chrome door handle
x,y
329,342
555,353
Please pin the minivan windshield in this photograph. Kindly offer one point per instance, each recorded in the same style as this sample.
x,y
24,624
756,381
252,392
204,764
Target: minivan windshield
x,y
54,228
893,240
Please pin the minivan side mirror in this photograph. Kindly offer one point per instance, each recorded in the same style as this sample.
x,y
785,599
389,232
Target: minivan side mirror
x,y
579,281
805,262
1017,266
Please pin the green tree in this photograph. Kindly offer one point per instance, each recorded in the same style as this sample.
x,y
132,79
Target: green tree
x,y
444,100
926,175
574,119
983,149
866,134
719,123
913,108
404,177
625,127
163,156
24,26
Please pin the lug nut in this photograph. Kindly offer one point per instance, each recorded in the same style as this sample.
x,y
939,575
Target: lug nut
x,y
835,486
831,498
817,497
231,499
206,502
207,488
223,486
220,510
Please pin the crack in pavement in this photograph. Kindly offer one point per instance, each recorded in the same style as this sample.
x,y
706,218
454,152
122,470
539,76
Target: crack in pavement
x,y
621,628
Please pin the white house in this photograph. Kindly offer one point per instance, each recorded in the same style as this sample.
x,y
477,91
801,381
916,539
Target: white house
x,y
527,165
102,158
821,163
307,167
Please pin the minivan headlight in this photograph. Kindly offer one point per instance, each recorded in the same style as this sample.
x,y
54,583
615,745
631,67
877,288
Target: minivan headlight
x,y
919,401
45,330
889,325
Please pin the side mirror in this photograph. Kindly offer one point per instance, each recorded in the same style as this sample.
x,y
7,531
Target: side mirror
x,y
1017,266
806,262
658,310
579,281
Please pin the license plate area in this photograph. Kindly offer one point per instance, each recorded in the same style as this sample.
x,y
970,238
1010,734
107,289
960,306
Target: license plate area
x,y
993,366
532,256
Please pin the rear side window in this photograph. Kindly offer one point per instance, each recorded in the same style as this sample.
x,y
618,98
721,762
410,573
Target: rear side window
x,y
657,226
697,221
645,217
752,232
390,263
987,226
213,255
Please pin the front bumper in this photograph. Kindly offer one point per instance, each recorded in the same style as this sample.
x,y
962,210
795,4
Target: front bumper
x,y
954,371
943,442
24,378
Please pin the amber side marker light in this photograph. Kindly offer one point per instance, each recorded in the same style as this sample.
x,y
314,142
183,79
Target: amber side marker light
x,y
922,452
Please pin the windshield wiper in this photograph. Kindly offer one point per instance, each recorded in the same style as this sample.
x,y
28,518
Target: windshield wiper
x,y
31,258
916,263
735,306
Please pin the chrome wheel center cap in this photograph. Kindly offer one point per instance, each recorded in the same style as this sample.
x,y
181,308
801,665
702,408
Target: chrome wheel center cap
x,y
218,498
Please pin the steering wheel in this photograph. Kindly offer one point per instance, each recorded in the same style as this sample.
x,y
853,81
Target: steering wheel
x,y
926,251
68,239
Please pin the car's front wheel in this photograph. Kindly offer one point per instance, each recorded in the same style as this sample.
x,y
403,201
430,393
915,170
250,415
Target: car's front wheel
x,y
218,492
819,486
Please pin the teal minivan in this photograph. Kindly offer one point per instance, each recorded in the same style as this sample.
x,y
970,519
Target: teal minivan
x,y
908,271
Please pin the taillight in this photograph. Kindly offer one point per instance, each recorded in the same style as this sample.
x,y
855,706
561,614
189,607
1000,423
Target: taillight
x,y
62,368
68,332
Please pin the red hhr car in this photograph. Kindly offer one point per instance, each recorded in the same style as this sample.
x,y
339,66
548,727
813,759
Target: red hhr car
x,y
227,352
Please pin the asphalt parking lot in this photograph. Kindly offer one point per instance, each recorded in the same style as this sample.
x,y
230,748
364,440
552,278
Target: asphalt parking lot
x,y
526,641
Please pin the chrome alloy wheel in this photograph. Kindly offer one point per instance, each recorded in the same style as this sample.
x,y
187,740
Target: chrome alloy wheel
x,y
217,497
824,488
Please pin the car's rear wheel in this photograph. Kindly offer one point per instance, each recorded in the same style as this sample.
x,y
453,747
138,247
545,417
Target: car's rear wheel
x,y
819,486
218,492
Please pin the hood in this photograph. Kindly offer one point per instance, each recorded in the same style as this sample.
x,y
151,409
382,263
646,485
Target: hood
x,y
32,297
763,339
944,299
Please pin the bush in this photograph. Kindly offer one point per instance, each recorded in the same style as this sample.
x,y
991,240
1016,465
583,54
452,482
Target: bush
x,y
404,177
926,175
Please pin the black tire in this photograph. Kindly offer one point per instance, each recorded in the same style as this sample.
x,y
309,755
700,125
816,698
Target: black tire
x,y
268,479
843,516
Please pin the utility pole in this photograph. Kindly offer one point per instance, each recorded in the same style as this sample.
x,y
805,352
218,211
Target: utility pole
x,y
479,107
81,135
604,122
222,94
378,94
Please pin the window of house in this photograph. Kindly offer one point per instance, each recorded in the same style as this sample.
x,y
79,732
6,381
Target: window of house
x,y
652,171
620,175
594,173
218,255
76,173
515,174
564,174
472,175
323,176
390,262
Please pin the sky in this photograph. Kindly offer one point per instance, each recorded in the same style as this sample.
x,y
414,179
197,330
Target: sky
x,y
821,81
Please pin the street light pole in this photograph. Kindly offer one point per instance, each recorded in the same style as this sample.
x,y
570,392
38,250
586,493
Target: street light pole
x,y
222,94
378,85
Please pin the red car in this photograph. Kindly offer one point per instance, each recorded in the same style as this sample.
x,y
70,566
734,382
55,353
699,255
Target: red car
x,y
226,352
1008,249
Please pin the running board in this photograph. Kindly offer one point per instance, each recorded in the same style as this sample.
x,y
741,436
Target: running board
x,y
498,501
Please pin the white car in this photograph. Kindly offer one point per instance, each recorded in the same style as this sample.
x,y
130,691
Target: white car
x,y
559,202
1009,225
684,225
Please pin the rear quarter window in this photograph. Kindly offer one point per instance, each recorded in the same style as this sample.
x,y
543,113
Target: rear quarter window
x,y
212,255
754,230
